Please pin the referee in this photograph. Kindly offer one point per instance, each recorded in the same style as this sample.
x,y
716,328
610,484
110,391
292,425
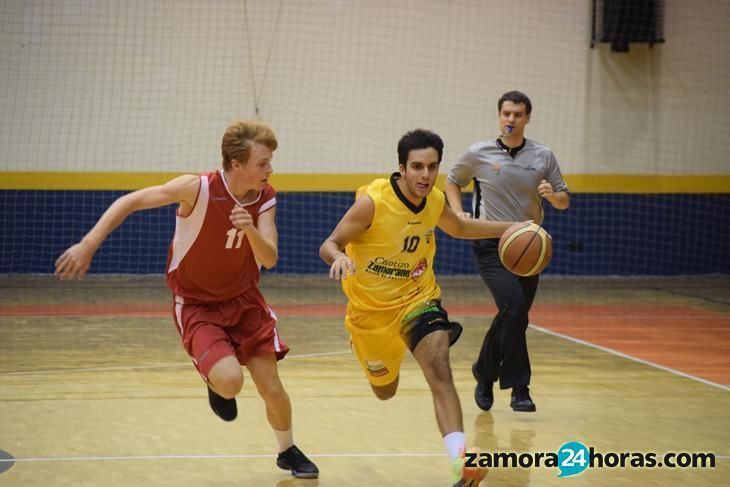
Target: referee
x,y
512,177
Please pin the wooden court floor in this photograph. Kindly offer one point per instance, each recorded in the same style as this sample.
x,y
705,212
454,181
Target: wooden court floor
x,y
95,389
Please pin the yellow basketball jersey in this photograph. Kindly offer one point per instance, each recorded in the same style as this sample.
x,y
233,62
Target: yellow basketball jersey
x,y
394,256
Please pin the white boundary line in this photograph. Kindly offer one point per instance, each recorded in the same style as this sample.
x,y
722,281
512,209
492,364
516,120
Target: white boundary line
x,y
209,457
629,357
235,456
147,367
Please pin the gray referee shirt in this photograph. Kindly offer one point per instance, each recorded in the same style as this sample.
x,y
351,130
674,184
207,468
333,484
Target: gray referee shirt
x,y
505,181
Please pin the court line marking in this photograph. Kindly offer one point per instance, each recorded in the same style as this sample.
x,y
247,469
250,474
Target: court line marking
x,y
692,295
237,456
629,357
147,367
220,456
325,354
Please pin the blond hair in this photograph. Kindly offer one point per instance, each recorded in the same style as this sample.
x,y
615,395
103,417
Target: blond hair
x,y
240,137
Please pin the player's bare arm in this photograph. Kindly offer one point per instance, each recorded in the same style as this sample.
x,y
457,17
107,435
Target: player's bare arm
x,y
75,261
469,228
357,219
560,199
453,196
264,238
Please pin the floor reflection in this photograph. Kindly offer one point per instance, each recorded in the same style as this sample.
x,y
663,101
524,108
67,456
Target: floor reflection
x,y
520,440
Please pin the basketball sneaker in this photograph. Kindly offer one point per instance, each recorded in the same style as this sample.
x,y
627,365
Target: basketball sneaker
x,y
465,476
301,467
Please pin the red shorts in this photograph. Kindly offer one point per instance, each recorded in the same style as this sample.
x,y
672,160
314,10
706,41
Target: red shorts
x,y
244,326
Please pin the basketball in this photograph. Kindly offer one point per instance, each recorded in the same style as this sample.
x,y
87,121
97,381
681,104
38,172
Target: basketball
x,y
525,249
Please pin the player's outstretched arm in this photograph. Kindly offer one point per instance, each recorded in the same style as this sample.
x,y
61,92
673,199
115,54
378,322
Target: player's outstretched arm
x,y
468,228
75,261
357,219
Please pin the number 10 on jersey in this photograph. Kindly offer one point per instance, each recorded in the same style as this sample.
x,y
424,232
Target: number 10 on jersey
x,y
410,244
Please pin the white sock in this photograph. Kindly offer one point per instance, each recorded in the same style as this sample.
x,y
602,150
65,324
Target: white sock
x,y
455,443
285,439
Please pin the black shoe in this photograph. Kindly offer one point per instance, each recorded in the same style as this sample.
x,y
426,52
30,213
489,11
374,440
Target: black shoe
x,y
521,400
483,394
226,409
301,467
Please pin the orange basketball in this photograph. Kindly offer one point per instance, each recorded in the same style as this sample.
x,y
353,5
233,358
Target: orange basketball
x,y
525,249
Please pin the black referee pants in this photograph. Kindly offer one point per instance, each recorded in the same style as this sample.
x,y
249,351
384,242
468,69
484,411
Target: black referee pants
x,y
504,355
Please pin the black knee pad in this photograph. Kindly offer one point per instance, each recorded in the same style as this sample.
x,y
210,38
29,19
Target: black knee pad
x,y
425,320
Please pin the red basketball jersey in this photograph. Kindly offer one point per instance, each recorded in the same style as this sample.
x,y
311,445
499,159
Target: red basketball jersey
x,y
209,259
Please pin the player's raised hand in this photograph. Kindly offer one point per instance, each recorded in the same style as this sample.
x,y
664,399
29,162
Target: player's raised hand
x,y
545,189
241,218
75,261
342,268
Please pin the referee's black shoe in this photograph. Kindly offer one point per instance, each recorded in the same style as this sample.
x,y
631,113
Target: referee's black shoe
x,y
225,409
301,467
521,400
483,394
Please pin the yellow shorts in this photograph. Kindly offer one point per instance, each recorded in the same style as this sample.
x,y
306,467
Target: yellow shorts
x,y
376,343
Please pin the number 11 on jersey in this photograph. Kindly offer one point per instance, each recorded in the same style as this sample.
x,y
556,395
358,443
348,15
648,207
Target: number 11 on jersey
x,y
236,235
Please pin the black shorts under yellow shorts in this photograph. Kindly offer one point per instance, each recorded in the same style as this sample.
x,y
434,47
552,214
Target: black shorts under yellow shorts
x,y
380,338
